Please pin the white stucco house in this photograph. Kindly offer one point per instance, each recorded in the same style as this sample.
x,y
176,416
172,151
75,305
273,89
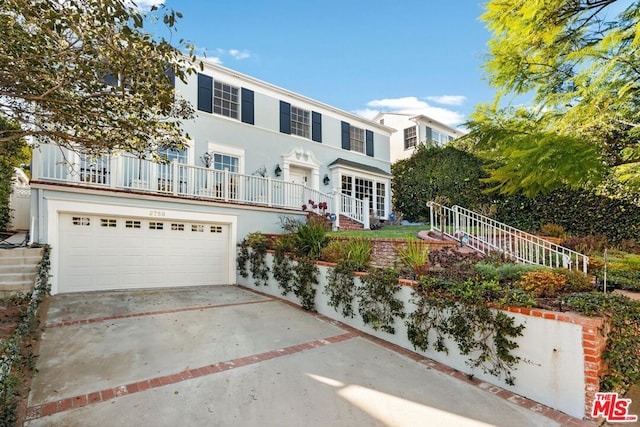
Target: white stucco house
x,y
257,152
414,130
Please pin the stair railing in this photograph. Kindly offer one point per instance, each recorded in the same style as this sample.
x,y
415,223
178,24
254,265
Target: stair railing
x,y
485,234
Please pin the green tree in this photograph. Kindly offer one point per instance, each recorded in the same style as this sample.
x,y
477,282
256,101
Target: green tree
x,y
579,62
12,154
443,173
85,75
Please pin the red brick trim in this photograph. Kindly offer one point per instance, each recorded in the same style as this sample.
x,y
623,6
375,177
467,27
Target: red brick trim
x,y
148,313
50,408
555,415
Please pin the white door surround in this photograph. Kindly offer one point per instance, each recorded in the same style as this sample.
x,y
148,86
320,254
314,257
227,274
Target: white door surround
x,y
298,161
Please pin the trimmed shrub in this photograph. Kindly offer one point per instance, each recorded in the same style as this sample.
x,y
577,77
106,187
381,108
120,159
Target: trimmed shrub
x,y
580,213
445,173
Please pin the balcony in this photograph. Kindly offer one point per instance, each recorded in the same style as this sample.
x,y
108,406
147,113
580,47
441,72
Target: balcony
x,y
129,173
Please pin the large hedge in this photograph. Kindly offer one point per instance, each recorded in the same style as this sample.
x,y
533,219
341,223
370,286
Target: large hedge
x,y
446,173
12,154
580,213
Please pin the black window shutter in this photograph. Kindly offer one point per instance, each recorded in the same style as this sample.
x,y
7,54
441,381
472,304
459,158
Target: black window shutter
x,y
111,80
369,143
171,75
316,126
205,93
247,106
346,137
428,136
285,117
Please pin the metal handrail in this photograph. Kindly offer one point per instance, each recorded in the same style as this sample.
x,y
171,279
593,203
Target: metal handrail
x,y
485,234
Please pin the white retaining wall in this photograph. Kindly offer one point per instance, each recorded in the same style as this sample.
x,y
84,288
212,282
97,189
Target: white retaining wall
x,y
553,373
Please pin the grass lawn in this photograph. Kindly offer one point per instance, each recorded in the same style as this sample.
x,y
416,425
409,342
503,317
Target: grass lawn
x,y
386,232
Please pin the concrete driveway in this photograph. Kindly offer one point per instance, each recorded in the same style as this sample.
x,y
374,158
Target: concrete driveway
x,y
228,356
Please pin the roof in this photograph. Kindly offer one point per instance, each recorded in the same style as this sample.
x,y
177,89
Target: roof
x,y
359,166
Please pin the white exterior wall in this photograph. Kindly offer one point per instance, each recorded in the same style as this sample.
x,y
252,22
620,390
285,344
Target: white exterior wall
x,y
402,121
553,373
263,142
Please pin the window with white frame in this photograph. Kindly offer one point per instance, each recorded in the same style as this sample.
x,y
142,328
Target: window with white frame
x,y
347,185
300,123
380,199
165,170
356,137
410,137
360,187
364,188
225,162
440,138
226,100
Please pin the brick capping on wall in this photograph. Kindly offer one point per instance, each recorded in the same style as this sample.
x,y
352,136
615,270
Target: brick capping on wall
x,y
593,340
384,252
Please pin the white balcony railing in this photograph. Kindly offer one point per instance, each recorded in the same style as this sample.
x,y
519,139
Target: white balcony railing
x,y
127,172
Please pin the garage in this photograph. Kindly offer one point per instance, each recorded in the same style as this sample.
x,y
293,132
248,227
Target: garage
x,y
102,252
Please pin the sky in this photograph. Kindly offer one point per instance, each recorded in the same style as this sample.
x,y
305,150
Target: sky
x,y
413,56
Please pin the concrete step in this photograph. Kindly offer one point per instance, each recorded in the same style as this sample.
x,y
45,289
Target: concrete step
x,y
16,277
20,256
8,289
18,268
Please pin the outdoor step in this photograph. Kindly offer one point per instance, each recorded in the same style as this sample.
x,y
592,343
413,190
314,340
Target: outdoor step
x,y
21,252
16,277
18,268
15,287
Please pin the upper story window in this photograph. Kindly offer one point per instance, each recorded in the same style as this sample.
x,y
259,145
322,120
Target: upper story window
x,y
297,121
300,124
356,138
410,138
440,138
226,100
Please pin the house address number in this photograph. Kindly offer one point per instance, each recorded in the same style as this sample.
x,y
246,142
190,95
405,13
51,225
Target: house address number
x,y
157,213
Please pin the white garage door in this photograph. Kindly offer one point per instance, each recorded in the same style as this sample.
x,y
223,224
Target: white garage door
x,y
107,252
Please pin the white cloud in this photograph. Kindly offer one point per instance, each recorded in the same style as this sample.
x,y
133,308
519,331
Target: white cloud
x,y
411,105
145,5
239,55
448,99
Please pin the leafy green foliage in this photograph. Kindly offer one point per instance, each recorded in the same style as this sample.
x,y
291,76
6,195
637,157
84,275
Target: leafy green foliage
x,y
282,268
306,276
12,154
524,154
431,172
622,270
458,311
256,257
56,61
580,213
414,256
571,57
451,265
310,238
622,316
505,274
377,303
341,287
